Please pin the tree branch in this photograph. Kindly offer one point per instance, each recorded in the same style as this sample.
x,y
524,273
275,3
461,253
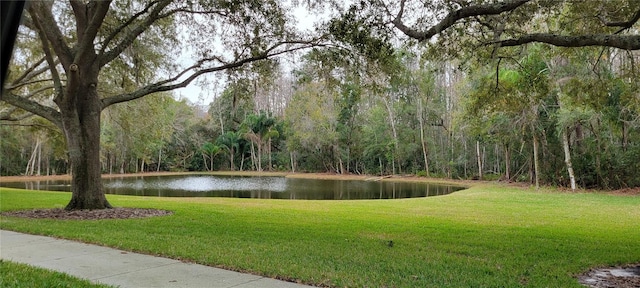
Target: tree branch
x,y
453,17
622,24
51,63
7,117
108,56
80,12
12,122
190,11
39,10
626,42
33,107
97,10
165,86
123,25
27,74
21,84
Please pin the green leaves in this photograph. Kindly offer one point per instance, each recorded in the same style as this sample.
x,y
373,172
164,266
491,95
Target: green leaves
x,y
364,33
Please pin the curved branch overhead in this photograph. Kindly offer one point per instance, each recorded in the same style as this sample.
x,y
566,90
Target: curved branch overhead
x,y
168,84
33,107
623,24
453,17
525,33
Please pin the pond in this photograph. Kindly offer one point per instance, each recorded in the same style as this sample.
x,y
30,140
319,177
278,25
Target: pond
x,y
252,187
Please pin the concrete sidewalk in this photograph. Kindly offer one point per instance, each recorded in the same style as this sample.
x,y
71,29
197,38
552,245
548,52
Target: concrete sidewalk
x,y
120,268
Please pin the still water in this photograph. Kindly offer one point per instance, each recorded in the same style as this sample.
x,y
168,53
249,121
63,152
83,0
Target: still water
x,y
253,187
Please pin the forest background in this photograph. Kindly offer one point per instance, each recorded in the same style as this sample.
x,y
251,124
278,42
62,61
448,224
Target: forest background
x,y
371,102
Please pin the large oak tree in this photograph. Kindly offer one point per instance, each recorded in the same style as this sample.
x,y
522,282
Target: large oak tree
x,y
80,40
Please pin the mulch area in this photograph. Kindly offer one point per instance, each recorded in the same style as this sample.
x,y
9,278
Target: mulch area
x,y
605,278
99,214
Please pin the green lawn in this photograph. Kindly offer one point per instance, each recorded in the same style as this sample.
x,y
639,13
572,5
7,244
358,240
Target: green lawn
x,y
16,275
486,236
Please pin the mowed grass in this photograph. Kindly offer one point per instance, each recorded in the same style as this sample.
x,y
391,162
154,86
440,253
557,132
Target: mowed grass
x,y
16,275
487,236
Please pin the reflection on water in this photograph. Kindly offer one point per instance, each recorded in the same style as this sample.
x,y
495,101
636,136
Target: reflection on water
x,y
253,187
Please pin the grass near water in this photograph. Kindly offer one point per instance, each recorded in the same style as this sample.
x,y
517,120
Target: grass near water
x,y
487,236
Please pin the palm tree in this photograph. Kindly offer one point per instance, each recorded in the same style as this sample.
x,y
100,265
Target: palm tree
x,y
211,150
230,141
258,128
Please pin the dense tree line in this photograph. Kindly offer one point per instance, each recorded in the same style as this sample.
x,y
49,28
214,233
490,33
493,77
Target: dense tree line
x,y
460,89
528,119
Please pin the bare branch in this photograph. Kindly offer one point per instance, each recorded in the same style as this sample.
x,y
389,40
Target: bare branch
x,y
108,56
42,10
33,107
97,10
165,86
9,118
14,122
622,24
453,17
25,83
154,15
189,11
626,42
80,12
51,63
123,25
28,72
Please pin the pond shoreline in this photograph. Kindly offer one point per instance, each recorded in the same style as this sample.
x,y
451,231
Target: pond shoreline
x,y
635,191
328,176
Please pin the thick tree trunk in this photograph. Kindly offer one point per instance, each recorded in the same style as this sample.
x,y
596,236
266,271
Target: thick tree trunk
x,y
81,124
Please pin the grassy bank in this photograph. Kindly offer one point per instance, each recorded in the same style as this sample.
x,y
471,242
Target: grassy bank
x,y
486,236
